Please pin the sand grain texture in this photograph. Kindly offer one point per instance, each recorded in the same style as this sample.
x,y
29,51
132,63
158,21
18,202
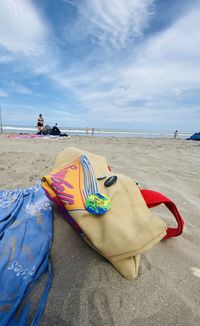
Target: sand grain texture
x,y
86,289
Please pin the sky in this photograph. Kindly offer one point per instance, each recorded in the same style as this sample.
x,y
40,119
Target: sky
x,y
128,64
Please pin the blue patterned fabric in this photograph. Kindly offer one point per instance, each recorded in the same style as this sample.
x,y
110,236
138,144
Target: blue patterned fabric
x,y
25,242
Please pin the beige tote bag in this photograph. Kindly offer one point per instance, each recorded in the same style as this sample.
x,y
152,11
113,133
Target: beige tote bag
x,y
127,230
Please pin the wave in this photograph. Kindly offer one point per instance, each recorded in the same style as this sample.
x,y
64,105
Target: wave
x,y
19,128
103,132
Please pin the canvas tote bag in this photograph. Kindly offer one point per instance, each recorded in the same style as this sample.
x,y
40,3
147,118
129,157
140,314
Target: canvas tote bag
x,y
127,230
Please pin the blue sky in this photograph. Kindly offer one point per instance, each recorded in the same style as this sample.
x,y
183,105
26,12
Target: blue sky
x,y
101,63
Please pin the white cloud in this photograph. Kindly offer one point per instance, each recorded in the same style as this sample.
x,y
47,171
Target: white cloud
x,y
111,23
170,59
3,93
5,59
69,2
142,82
18,88
21,28
58,113
26,40
160,69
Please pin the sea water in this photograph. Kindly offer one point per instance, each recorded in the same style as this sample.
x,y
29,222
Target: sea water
x,y
103,132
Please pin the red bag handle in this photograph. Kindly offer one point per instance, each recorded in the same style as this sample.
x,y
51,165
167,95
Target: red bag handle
x,y
153,198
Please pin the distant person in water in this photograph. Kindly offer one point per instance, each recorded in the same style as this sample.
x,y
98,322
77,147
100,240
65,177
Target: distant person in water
x,y
175,134
40,123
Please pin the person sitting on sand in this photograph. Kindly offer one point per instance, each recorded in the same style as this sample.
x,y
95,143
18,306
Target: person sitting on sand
x,y
55,130
40,122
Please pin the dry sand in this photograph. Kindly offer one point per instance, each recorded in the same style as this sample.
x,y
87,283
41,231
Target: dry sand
x,y
86,289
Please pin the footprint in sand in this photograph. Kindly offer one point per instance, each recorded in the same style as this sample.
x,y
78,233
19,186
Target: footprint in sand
x,y
195,271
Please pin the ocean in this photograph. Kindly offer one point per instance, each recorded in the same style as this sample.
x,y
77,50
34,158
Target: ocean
x,y
100,132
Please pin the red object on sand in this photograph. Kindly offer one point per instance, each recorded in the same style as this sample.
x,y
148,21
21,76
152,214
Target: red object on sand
x,y
154,198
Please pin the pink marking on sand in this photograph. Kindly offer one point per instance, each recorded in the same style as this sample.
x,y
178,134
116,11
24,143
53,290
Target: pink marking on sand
x,y
28,136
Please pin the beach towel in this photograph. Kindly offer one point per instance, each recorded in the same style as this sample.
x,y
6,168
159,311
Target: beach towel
x,y
25,242
122,229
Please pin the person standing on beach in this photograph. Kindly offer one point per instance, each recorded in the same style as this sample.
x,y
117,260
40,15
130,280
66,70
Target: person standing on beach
x,y
40,123
175,134
92,131
87,131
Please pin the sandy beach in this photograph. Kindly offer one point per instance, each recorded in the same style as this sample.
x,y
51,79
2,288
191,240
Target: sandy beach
x,y
86,289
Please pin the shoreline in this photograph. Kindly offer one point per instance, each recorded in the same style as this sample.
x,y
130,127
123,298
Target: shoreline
x,y
7,134
100,132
